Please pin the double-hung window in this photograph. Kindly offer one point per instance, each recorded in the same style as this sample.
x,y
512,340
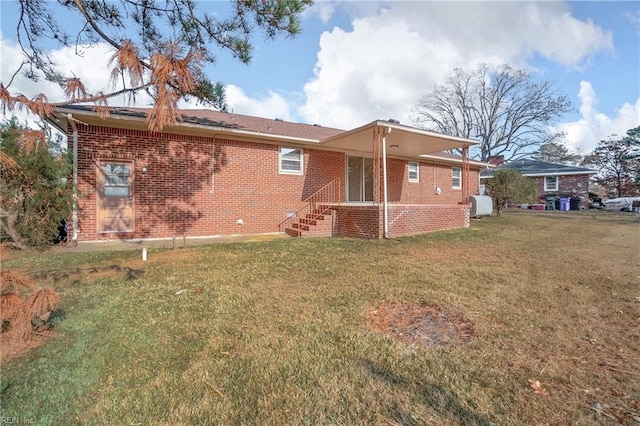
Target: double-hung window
x,y
456,178
291,161
414,171
550,183
116,180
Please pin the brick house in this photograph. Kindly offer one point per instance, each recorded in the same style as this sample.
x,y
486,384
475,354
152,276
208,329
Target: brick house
x,y
217,173
552,180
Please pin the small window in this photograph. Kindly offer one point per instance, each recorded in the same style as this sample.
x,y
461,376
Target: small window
x,y
550,183
291,161
116,180
456,178
414,171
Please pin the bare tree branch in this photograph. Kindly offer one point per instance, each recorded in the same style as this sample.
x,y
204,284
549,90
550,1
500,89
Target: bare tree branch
x,y
618,163
504,108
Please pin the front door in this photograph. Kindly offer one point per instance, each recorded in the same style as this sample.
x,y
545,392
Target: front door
x,y
360,179
115,196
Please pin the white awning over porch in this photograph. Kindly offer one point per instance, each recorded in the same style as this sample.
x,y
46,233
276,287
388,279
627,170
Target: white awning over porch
x,y
385,139
401,141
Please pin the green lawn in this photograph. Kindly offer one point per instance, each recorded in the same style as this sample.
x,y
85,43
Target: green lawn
x,y
276,332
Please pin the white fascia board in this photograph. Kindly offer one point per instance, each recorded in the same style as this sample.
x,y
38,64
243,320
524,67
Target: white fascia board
x,y
396,126
455,160
549,174
215,129
422,132
592,172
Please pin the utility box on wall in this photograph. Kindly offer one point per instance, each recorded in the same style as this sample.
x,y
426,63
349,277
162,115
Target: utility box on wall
x,y
481,205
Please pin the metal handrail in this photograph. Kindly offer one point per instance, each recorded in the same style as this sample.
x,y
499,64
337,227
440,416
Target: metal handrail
x,y
330,193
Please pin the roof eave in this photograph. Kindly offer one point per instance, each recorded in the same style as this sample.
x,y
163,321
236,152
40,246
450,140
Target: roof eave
x,y
214,129
423,132
591,172
396,126
402,141
456,160
56,119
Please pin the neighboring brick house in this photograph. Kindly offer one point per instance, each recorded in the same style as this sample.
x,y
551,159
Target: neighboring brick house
x,y
217,173
552,180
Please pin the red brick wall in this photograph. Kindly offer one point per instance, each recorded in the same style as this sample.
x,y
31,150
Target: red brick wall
x,y
359,221
190,189
404,220
420,219
430,176
184,192
568,186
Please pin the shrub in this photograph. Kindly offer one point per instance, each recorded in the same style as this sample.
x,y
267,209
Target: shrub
x,y
509,185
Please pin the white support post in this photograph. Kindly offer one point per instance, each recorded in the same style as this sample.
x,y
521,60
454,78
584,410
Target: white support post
x,y
385,217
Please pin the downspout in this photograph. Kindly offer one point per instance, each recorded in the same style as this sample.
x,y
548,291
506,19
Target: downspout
x,y
74,211
385,208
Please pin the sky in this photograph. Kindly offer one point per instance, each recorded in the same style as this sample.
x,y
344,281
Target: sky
x,y
359,61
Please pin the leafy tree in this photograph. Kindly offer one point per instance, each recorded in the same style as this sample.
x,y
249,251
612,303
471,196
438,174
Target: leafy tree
x,y
160,47
618,163
504,107
35,195
508,185
555,153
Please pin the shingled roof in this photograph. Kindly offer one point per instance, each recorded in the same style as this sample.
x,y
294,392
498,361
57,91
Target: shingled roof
x,y
276,129
538,168
230,120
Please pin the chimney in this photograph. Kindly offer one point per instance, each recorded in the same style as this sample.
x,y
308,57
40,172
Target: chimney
x,y
496,160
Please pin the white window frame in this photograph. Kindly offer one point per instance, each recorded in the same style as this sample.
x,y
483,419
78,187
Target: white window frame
x,y
548,188
117,180
417,171
454,177
300,157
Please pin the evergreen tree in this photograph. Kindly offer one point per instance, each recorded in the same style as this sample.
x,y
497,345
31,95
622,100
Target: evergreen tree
x,y
555,153
35,194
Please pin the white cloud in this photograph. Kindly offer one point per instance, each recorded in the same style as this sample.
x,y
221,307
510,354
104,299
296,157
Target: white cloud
x,y
389,59
365,74
583,135
89,64
273,105
324,9
510,30
633,17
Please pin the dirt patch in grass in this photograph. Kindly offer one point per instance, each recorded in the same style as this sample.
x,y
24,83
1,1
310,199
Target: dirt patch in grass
x,y
91,273
427,326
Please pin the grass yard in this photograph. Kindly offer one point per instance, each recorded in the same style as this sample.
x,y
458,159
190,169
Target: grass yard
x,y
277,332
